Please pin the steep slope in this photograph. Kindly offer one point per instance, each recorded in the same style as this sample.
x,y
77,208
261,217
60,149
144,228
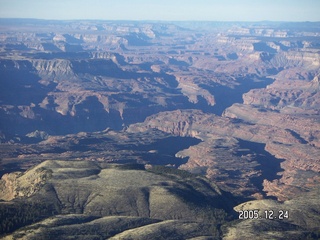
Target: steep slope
x,y
245,157
292,105
87,200
235,102
67,77
99,190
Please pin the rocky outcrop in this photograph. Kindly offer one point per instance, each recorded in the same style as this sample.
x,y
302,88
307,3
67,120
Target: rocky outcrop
x,y
53,70
198,124
92,75
82,71
236,103
286,138
291,105
116,194
305,128
14,185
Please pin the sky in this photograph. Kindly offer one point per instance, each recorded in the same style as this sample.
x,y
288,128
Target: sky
x,y
167,10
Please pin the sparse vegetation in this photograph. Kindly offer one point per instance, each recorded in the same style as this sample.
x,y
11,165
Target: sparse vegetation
x,y
123,190
313,235
207,208
171,172
18,214
128,166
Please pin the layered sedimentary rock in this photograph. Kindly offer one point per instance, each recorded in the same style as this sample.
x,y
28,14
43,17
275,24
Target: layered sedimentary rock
x,y
80,70
235,102
228,153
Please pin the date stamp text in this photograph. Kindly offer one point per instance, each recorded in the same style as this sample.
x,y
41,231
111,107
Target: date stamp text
x,y
265,214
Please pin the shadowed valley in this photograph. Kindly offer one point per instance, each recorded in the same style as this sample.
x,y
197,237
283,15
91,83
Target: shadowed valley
x,y
158,130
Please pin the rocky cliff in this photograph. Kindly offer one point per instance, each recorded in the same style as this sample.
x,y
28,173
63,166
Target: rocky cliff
x,y
219,133
235,102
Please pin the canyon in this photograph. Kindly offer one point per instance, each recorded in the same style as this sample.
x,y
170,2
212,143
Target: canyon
x,y
235,104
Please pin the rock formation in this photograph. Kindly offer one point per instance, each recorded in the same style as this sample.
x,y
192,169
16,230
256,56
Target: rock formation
x,y
235,102
108,194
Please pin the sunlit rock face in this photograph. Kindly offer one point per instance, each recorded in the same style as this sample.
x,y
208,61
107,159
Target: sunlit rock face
x,y
83,76
234,105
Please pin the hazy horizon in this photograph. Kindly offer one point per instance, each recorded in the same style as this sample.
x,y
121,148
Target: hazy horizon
x,y
165,10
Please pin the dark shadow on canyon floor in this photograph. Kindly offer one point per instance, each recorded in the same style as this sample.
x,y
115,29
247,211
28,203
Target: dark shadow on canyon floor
x,y
225,96
269,165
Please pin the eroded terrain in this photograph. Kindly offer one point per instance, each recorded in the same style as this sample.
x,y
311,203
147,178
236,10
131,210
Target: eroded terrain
x,y
237,103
